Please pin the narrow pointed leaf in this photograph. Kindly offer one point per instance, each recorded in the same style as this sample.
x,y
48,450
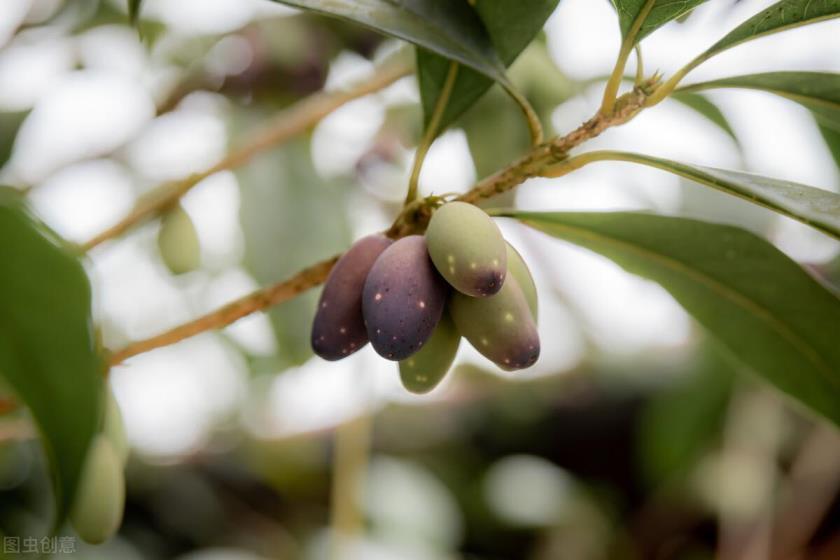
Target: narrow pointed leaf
x,y
832,140
817,91
48,353
759,304
663,11
818,208
702,105
449,28
511,26
134,11
781,16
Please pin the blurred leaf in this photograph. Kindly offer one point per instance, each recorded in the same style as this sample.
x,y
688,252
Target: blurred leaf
x,y
817,91
9,125
450,29
832,140
134,11
781,16
663,11
765,309
818,208
511,26
702,105
178,241
48,352
684,421
291,217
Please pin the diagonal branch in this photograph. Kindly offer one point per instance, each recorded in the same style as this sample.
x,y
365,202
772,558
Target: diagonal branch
x,y
411,220
286,125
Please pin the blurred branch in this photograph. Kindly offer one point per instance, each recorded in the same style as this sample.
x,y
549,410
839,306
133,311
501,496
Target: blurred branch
x,y
808,492
350,461
288,124
232,312
412,219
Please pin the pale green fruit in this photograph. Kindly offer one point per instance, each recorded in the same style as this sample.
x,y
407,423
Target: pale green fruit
x,y
178,241
114,428
519,270
468,249
422,371
98,509
500,326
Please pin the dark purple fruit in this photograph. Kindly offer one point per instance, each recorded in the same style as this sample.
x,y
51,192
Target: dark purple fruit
x,y
339,329
403,299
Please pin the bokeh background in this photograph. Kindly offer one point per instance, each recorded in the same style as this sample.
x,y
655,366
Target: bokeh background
x,y
633,437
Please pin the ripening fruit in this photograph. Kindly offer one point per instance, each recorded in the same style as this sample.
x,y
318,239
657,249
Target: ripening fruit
x,y
403,299
468,249
421,372
100,499
500,326
178,242
114,428
520,271
339,329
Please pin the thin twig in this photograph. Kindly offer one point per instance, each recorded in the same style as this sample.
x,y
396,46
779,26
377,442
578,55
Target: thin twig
x,y
232,312
289,123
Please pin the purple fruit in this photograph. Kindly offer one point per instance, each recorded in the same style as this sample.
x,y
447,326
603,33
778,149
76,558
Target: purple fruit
x,y
339,329
403,299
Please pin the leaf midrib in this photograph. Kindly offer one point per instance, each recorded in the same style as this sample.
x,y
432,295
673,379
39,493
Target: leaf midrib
x,y
775,323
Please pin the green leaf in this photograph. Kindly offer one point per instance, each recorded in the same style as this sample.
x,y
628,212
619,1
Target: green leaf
x,y
817,91
818,208
702,105
759,304
511,26
781,16
9,125
48,352
446,27
832,140
630,12
134,11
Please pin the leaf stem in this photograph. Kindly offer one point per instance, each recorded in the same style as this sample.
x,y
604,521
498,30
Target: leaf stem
x,y
534,124
613,84
431,131
640,66
289,123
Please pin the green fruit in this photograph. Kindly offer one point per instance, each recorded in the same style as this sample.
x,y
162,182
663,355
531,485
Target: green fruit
x,y
114,428
100,500
178,242
468,249
519,270
421,372
501,326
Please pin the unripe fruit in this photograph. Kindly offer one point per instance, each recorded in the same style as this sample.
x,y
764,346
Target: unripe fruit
x,y
114,428
520,271
178,242
468,249
403,299
500,326
422,372
100,499
338,329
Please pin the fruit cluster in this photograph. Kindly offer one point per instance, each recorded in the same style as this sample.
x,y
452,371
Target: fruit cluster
x,y
414,298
